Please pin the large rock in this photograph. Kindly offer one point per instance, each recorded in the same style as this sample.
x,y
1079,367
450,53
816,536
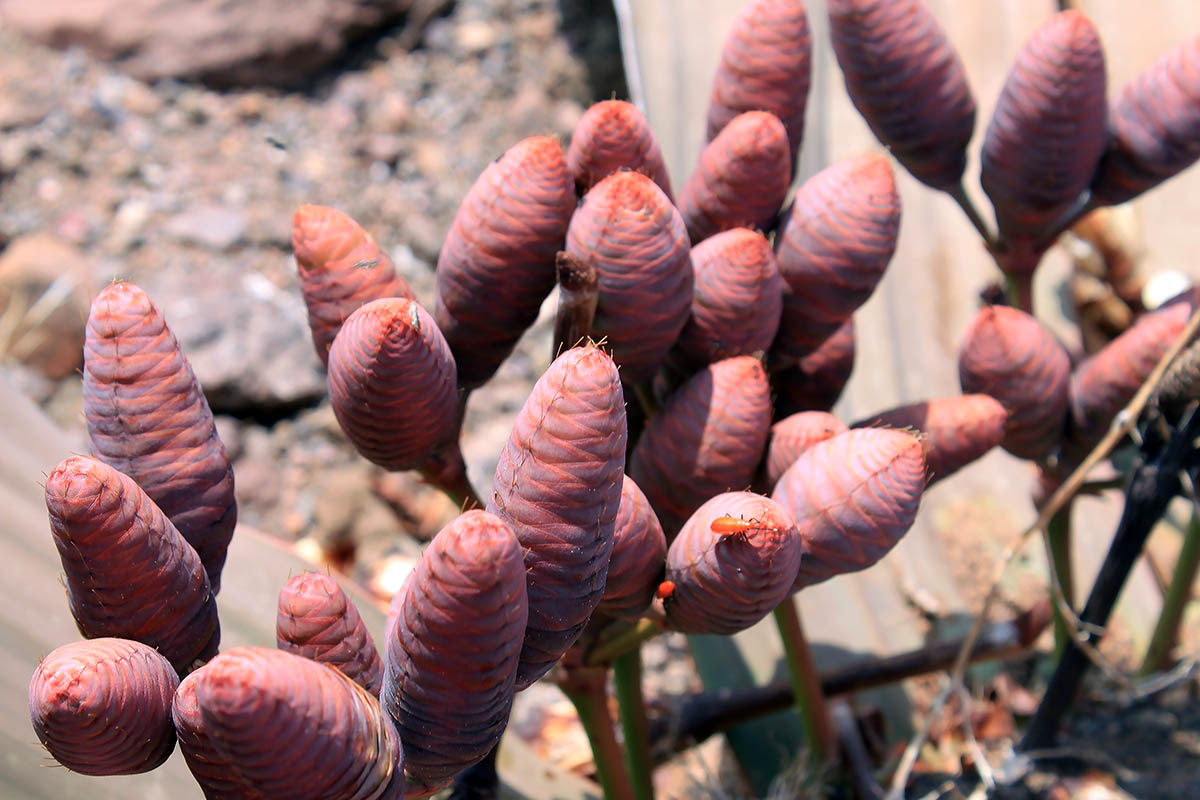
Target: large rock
x,y
216,41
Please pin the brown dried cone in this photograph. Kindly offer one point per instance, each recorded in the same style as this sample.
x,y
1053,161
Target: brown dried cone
x,y
639,549
128,571
707,438
627,229
391,383
497,263
742,178
1048,130
290,727
793,435
1009,355
766,65
1181,384
833,246
736,301
558,484
317,620
733,561
955,430
453,647
1154,127
341,267
908,82
216,776
1105,383
610,136
814,381
853,497
103,707
147,417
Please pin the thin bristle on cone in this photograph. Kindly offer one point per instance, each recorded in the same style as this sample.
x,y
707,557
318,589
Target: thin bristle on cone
x,y
129,573
341,267
558,484
955,430
742,178
812,381
907,81
1049,127
148,418
453,648
793,435
833,246
853,497
103,706
733,561
639,549
1154,127
707,438
766,65
318,621
629,232
1009,355
392,385
736,301
290,727
610,136
497,263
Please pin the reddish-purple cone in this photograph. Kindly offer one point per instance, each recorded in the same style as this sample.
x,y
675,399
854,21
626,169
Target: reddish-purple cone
x,y
129,573
792,436
639,548
814,381
103,706
907,81
558,484
497,264
391,383
853,497
317,620
453,647
611,136
733,561
707,438
147,417
217,779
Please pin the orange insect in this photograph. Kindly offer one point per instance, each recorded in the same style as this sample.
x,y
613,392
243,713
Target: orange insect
x,y
665,590
732,526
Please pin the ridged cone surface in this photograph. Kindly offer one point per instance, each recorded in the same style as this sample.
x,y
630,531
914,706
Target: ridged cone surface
x,y
129,573
907,81
290,727
1154,127
558,484
853,497
766,65
742,178
216,776
627,229
452,650
392,385
497,263
736,300
726,583
148,418
833,246
341,267
318,621
610,136
1009,355
793,435
639,550
813,381
955,430
1049,127
707,438
1181,383
103,706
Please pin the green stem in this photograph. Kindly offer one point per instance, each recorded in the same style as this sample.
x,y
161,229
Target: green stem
x,y
586,688
627,674
806,684
1058,545
959,193
609,649
1179,591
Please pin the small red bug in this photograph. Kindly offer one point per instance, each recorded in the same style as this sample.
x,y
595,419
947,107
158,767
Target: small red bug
x,y
732,526
665,590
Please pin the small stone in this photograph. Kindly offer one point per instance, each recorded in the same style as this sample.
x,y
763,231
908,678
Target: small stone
x,y
476,37
214,227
